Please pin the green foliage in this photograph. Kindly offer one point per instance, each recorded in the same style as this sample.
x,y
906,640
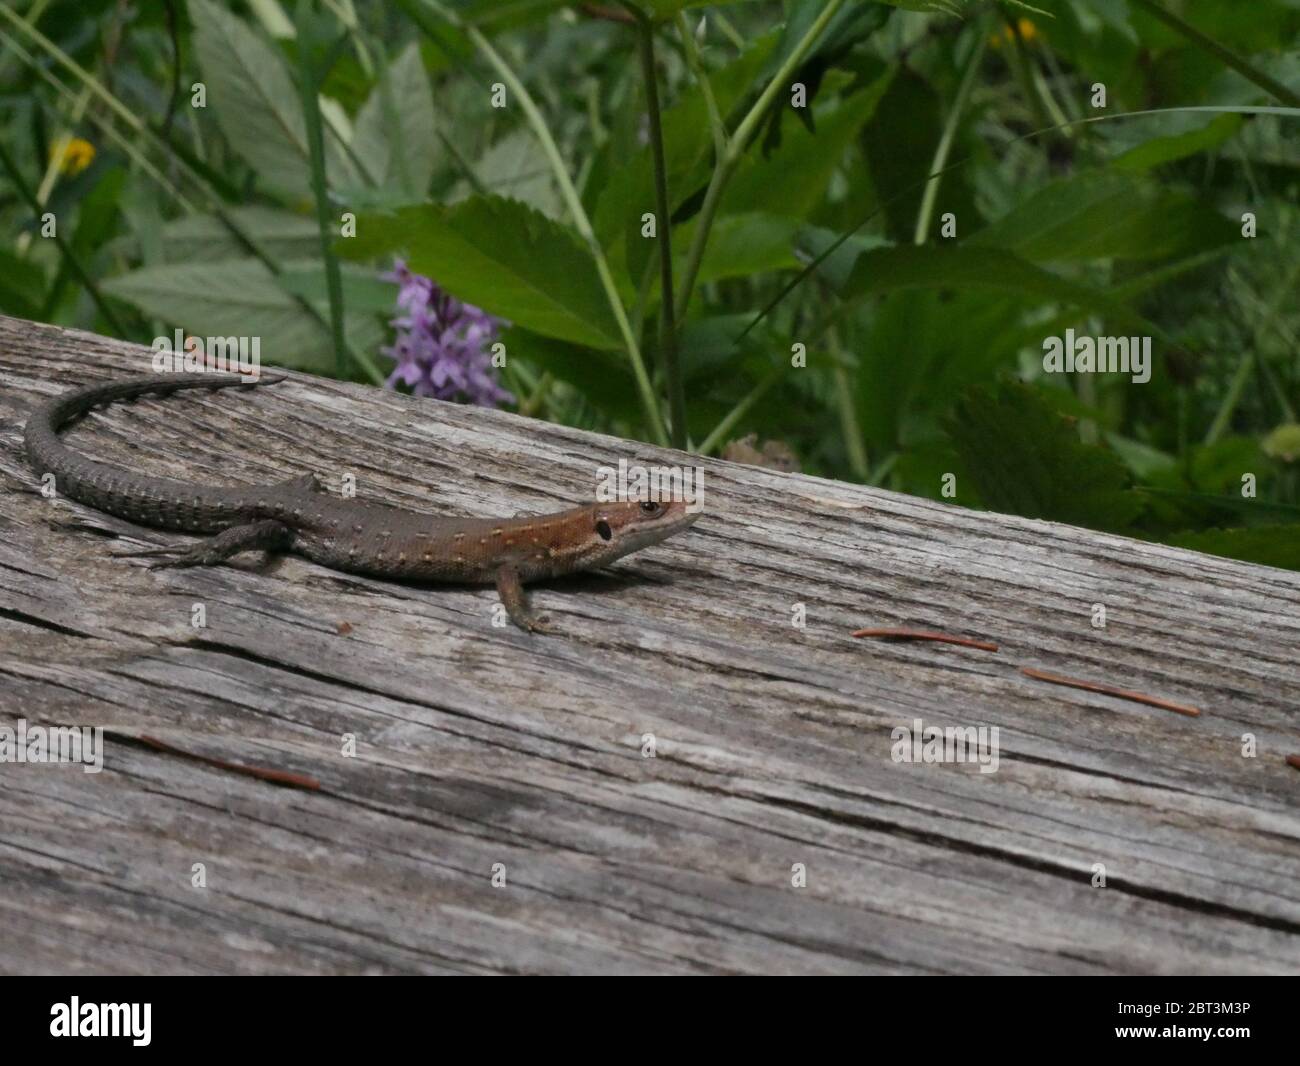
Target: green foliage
x,y
394,137
1025,459
502,254
1107,216
252,98
242,297
927,266
1274,545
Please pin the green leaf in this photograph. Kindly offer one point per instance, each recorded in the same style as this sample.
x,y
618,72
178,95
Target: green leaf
x,y
964,267
742,245
1142,459
1282,93
605,381
511,167
1105,216
951,341
363,290
281,234
667,8
1160,150
662,9
1277,545
22,285
793,179
812,241
1025,459
629,190
252,97
395,135
503,256
239,297
899,143
708,346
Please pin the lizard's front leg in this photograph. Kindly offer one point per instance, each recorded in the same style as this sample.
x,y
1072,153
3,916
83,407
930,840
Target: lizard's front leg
x,y
255,536
511,590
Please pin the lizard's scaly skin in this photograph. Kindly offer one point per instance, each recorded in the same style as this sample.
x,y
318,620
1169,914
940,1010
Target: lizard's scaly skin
x,y
343,534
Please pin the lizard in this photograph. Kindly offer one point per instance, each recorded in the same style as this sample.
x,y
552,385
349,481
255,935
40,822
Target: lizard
x,y
342,533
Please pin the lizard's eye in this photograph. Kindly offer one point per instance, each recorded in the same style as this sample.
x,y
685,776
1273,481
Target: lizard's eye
x,y
649,507
602,528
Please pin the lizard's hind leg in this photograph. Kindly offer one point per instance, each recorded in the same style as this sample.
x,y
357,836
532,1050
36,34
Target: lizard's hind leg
x,y
255,536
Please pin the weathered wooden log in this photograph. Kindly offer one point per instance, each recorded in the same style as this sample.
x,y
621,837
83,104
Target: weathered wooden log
x,y
771,831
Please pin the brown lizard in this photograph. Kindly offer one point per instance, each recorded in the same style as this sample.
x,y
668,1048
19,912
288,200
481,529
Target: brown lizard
x,y
342,533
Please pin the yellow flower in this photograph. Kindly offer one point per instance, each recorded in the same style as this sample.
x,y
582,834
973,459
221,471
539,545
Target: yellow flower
x,y
1028,31
73,154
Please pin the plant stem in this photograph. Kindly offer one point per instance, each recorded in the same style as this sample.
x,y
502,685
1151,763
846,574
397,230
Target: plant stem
x,y
723,429
663,231
1225,56
883,470
858,462
729,31
534,401
1230,400
316,153
580,220
730,159
716,124
931,193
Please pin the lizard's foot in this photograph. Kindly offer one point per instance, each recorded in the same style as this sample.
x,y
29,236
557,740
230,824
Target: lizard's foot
x,y
511,591
536,623
267,535
175,556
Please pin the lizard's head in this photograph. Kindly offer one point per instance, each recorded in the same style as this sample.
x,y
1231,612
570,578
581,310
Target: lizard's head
x,y
627,526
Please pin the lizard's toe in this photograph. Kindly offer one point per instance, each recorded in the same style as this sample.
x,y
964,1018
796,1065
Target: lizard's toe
x,y
146,553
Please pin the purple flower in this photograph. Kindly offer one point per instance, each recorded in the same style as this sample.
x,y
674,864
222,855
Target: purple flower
x,y
442,346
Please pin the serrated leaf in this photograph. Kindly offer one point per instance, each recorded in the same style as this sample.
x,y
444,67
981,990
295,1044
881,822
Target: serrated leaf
x,y
502,256
397,141
511,167
1106,216
965,267
252,97
922,351
281,234
239,297
1025,459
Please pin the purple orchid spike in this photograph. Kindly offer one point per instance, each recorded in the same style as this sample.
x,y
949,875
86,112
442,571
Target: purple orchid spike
x,y
442,345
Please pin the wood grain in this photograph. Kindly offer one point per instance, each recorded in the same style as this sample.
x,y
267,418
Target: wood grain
x,y
478,745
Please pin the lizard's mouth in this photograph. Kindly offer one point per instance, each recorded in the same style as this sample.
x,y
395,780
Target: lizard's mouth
x,y
662,528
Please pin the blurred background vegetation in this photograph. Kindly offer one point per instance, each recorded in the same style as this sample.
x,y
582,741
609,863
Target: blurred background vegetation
x,y
821,317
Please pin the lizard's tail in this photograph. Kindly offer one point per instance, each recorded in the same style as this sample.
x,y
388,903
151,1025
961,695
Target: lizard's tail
x,y
106,487
63,409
